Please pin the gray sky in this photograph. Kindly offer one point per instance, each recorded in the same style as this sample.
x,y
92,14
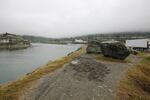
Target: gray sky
x,y
61,18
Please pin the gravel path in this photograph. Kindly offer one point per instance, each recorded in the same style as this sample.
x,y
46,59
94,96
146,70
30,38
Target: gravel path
x,y
85,78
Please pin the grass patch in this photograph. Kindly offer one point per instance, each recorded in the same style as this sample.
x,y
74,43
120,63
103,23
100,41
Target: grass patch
x,y
143,54
103,58
135,85
13,90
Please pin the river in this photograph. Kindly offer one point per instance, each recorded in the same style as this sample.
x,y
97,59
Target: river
x,y
14,64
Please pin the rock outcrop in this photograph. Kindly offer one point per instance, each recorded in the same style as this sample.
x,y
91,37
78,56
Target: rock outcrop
x,y
94,47
115,50
132,51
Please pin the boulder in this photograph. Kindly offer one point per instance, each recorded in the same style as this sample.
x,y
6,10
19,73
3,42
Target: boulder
x,y
132,51
94,47
115,50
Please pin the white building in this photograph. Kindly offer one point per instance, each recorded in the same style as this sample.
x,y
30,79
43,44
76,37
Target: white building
x,y
138,44
4,41
79,41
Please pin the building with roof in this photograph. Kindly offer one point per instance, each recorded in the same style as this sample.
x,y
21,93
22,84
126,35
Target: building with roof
x,y
80,41
12,41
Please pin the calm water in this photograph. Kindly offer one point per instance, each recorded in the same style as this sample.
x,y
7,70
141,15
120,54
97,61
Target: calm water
x,y
14,64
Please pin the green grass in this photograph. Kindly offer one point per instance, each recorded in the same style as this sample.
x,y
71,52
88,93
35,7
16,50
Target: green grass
x,y
12,91
109,59
135,85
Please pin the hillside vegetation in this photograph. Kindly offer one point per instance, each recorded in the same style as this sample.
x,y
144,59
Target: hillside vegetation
x,y
122,36
136,83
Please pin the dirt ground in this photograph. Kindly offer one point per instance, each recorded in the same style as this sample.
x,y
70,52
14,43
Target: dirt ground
x,y
85,78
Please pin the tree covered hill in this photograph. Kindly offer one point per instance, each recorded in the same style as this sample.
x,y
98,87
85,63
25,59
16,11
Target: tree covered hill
x,y
122,36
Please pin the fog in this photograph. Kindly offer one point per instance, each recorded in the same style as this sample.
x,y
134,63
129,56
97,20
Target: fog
x,y
62,18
